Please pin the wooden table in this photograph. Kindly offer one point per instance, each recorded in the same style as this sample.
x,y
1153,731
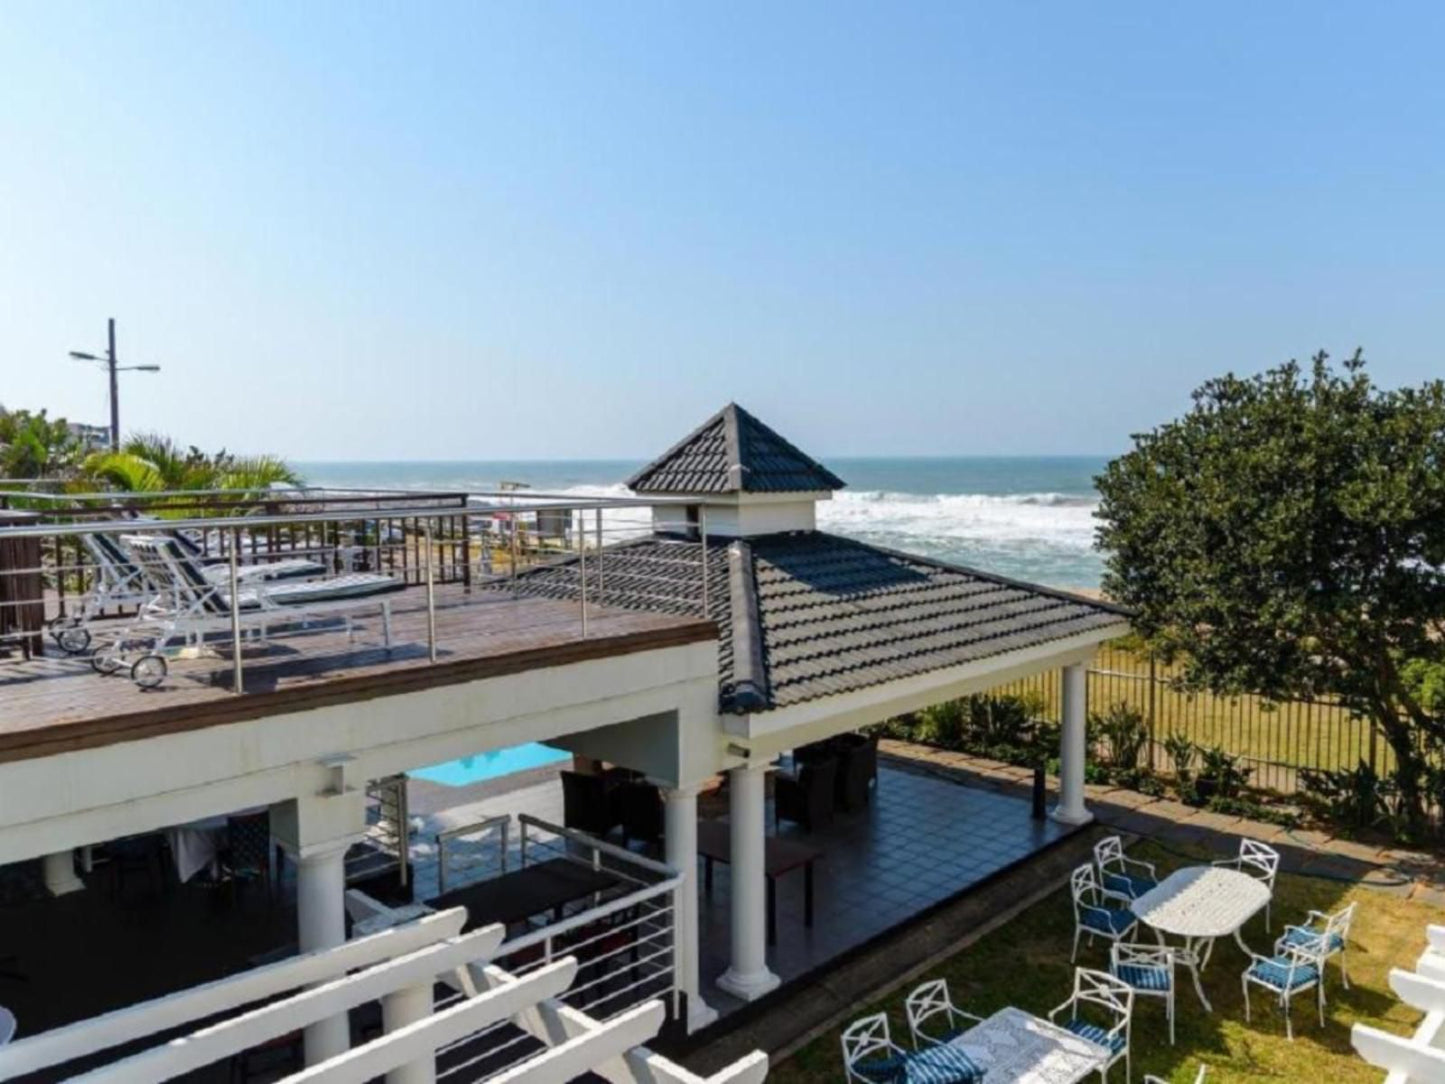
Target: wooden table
x,y
536,889
780,856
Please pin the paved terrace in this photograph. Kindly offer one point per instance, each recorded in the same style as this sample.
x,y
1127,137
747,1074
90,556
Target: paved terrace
x,y
57,703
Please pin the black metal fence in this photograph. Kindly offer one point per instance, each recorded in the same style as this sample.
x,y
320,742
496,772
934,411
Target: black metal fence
x,y
1275,739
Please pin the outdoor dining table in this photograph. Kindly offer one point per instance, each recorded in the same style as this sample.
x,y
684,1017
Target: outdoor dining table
x,y
780,856
536,889
1015,1047
1200,904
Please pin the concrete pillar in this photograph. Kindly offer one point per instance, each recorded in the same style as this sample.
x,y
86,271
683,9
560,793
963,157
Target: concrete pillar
x,y
399,1009
680,812
59,872
1073,749
748,977
321,918
316,830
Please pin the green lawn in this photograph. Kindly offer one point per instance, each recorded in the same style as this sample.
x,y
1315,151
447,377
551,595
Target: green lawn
x,y
1026,963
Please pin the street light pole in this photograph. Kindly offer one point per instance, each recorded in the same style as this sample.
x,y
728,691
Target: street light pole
x,y
114,390
112,367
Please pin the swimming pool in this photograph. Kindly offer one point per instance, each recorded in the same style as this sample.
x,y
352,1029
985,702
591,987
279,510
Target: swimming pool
x,y
491,765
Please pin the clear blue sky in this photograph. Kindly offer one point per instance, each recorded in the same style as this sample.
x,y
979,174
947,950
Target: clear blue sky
x,y
569,230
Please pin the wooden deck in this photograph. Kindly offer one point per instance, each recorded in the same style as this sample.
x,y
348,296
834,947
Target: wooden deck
x,y
58,703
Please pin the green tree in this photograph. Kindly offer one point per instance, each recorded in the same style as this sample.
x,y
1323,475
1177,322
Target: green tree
x,y
34,445
1286,536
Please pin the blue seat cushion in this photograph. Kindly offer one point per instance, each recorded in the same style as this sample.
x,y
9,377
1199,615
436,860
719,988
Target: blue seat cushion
x,y
1310,938
1276,973
1144,978
1109,920
1129,885
1114,1044
941,1065
887,1070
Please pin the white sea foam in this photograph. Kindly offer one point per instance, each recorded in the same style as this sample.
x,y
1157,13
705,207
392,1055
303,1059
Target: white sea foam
x,y
1055,519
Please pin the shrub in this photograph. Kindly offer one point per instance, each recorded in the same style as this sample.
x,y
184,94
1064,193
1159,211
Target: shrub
x,y
1350,798
1181,753
1220,775
1124,729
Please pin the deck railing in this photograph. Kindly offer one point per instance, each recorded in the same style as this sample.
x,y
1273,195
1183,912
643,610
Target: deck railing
x,y
70,579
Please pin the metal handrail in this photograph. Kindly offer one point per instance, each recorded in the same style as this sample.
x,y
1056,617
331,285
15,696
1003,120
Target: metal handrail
x,y
216,523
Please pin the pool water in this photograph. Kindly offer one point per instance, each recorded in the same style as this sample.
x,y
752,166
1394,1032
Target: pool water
x,y
491,765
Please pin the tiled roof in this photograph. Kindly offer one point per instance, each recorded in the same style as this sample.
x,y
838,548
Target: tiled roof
x,y
733,452
807,614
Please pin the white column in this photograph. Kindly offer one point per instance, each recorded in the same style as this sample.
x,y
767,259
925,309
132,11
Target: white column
x,y
321,917
680,811
1073,749
399,1009
748,977
59,872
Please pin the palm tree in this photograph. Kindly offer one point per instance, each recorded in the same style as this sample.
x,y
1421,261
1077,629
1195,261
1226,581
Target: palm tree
x,y
151,462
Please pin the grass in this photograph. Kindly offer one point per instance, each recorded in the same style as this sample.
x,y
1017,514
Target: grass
x,y
1026,963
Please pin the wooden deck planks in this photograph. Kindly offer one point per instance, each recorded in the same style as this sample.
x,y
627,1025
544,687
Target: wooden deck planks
x,y
58,703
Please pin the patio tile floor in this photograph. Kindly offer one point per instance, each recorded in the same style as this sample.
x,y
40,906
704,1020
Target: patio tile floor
x,y
922,841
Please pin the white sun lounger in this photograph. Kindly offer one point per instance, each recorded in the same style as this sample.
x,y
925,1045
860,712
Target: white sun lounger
x,y
187,606
119,582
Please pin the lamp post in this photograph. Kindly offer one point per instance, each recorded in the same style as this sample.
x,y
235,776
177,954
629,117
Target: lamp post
x,y
110,363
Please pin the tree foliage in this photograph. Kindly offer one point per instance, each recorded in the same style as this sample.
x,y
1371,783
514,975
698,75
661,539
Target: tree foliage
x,y
35,445
1286,537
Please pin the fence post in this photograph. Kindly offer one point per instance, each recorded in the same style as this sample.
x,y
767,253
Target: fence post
x,y
1153,693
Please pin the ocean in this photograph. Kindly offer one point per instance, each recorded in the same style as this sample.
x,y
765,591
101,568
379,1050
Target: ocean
x,y
1029,517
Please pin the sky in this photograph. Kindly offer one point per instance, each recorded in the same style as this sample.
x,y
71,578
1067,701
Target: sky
x,y
547,230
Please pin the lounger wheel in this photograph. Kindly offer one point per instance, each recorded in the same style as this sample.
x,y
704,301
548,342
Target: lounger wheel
x,y
105,663
148,671
73,639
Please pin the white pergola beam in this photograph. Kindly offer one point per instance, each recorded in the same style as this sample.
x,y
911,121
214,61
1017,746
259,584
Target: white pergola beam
x,y
553,1022
578,1055
454,1023
323,1002
1398,1055
1435,934
63,1044
1418,991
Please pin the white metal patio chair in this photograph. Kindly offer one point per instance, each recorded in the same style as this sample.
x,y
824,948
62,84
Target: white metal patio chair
x,y
930,1002
1149,971
1330,932
1115,869
186,606
1293,971
1092,915
1100,996
1260,861
871,1057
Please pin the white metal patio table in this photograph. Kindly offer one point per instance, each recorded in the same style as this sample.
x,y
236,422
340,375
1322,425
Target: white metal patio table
x,y
1015,1047
1200,904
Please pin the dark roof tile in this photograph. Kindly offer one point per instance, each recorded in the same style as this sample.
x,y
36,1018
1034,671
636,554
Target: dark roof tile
x,y
733,452
826,614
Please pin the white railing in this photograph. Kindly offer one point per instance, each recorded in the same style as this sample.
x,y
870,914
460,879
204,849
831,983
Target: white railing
x,y
82,579
624,942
